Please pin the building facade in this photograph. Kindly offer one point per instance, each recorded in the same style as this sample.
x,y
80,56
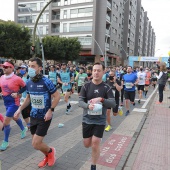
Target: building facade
x,y
112,28
139,29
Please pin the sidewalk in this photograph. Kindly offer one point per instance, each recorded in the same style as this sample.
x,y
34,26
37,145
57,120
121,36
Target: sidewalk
x,y
152,147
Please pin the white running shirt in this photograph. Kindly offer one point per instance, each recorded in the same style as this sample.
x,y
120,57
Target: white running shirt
x,y
141,78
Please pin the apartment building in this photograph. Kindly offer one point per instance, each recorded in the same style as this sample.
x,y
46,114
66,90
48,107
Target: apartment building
x,y
145,35
26,12
129,29
139,29
153,43
96,23
112,28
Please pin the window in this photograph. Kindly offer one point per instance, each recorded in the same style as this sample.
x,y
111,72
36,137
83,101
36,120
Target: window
x,y
80,26
33,6
46,29
47,17
65,27
41,5
41,19
73,11
40,30
65,13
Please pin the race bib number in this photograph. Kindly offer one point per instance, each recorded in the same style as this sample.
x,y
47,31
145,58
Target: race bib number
x,y
91,112
96,111
37,101
128,85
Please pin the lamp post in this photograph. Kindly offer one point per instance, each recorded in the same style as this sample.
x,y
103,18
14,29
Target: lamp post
x,y
42,49
97,45
156,51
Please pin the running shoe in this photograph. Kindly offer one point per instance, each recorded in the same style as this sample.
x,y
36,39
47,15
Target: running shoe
x,y
68,109
52,157
23,132
120,111
158,102
4,145
108,128
43,163
127,113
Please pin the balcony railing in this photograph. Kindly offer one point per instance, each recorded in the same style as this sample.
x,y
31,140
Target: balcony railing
x,y
55,30
109,4
108,17
83,28
107,32
55,17
56,4
107,45
85,41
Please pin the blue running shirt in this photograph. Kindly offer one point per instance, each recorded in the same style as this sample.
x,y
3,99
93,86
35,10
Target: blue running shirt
x,y
40,95
129,79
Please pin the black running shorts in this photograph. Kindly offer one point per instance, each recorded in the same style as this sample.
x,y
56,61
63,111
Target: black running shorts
x,y
141,87
129,95
91,129
39,126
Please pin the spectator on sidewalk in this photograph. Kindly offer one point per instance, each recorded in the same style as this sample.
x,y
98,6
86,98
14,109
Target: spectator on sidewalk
x,y
95,97
44,97
162,79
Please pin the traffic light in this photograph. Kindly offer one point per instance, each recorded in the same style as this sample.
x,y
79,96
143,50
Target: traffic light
x,y
32,50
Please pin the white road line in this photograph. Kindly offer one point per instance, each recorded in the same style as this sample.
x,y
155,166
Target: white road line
x,y
139,110
147,101
142,100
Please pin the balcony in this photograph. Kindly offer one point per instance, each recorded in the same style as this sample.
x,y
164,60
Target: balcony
x,y
81,29
107,32
56,17
108,18
56,4
85,41
55,30
109,5
107,46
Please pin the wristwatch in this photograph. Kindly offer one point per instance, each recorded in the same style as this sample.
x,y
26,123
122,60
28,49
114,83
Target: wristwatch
x,y
52,109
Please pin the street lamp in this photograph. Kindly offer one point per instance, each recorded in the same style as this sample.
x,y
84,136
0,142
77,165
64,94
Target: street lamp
x,y
98,46
42,49
156,51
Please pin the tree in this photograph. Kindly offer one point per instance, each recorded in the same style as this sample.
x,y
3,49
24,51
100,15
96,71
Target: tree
x,y
61,48
14,41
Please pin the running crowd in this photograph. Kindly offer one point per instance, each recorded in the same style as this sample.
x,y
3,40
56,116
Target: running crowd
x,y
102,91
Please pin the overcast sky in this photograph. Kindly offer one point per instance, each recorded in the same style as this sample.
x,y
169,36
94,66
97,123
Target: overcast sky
x,y
158,13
